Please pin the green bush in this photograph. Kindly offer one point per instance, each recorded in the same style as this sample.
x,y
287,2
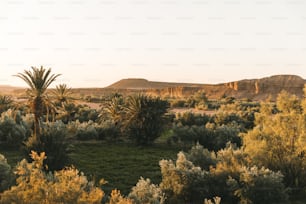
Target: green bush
x,y
12,131
256,186
6,174
108,131
212,139
52,142
177,103
86,114
84,131
227,176
190,119
183,182
201,157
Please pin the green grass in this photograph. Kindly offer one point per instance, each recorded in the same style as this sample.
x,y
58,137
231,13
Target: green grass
x,y
121,164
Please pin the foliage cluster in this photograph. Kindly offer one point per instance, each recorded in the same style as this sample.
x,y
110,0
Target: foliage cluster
x,y
227,177
278,140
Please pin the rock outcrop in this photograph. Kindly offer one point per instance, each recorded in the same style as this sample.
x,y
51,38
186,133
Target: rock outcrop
x,y
260,89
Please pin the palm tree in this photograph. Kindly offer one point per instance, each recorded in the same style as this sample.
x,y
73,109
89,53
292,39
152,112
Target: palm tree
x,y
38,80
114,109
62,93
145,118
66,112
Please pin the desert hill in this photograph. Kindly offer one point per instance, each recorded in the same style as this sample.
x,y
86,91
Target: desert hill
x,y
8,90
134,83
256,89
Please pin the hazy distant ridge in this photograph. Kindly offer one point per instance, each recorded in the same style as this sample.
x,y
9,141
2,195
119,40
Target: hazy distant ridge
x,y
257,89
136,83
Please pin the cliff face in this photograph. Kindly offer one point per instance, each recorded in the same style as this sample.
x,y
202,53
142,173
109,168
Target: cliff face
x,y
176,92
260,89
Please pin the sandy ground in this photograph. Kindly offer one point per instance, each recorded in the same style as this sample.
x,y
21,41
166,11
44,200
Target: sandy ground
x,y
193,110
172,110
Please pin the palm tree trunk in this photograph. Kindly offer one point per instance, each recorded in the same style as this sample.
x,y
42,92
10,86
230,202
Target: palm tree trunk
x,y
36,128
37,110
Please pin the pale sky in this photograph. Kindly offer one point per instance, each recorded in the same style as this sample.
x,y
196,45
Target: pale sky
x,y
94,43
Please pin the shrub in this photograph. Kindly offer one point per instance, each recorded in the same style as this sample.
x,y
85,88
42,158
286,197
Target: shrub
x,y
36,186
182,181
278,141
108,131
12,132
258,186
52,142
146,193
212,139
190,119
86,114
201,157
6,175
86,131
117,198
176,103
216,200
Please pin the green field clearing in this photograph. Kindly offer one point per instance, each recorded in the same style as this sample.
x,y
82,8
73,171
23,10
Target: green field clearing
x,y
119,164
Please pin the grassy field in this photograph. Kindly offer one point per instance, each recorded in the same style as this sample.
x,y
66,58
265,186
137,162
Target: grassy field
x,y
119,164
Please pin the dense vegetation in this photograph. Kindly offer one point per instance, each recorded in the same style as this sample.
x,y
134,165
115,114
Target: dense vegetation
x,y
245,152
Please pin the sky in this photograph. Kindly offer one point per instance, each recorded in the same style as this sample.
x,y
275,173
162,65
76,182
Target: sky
x,y
94,43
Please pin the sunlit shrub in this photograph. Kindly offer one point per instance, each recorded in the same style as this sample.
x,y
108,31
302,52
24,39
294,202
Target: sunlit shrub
x,y
258,186
117,198
278,141
35,186
146,193
182,181
216,200
201,157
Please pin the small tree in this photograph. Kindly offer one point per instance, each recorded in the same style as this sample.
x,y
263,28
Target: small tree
x,y
278,141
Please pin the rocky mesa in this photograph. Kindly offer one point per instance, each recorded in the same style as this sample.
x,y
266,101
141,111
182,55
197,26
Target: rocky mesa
x,y
255,89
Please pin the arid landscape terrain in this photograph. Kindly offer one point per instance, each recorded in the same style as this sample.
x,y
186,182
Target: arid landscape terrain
x,y
157,142
254,89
